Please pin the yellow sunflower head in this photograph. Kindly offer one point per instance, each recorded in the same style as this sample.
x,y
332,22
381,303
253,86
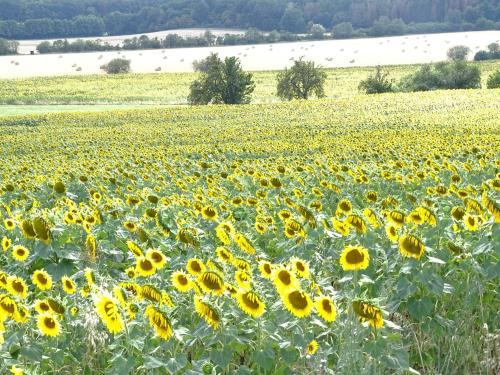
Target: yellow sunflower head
x,y
48,324
42,279
354,258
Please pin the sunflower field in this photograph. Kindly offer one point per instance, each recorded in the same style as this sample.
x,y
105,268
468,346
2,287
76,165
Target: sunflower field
x,y
347,236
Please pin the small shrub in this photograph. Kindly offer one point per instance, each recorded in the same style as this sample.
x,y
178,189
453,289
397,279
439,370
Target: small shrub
x,y
117,66
377,83
494,80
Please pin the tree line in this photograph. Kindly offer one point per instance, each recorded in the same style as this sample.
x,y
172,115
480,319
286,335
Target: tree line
x,y
74,18
251,36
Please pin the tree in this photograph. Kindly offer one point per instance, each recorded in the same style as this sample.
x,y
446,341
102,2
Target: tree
x,y
377,83
8,47
494,80
343,30
117,66
317,31
293,20
301,80
458,53
220,82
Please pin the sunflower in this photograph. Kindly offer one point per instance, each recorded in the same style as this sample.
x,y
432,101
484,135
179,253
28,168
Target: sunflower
x,y
410,246
297,302
9,224
157,257
266,269
27,228
48,325
68,285
312,347
42,306
260,228
159,322
371,216
397,218
8,307
135,249
325,308
471,222
17,287
300,267
415,217
344,207
181,281
6,243
340,227
130,226
211,282
91,246
207,312
250,303
145,267
209,213
3,280
14,370
354,258
42,279
458,213
368,313
357,223
392,232
195,266
89,276
283,279
20,253
244,244
223,254
243,279
131,272
241,264
41,229
107,309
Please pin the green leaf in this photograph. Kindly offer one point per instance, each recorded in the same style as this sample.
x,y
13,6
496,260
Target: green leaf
x,y
121,365
176,364
152,363
264,358
419,308
222,357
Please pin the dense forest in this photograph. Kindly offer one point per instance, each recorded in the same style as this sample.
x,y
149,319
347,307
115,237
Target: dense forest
x,y
65,18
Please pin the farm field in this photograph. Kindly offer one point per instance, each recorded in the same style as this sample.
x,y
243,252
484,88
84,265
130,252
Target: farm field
x,y
349,235
173,88
398,50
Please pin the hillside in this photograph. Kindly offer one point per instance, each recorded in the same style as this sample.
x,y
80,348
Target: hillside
x,y
35,19
328,53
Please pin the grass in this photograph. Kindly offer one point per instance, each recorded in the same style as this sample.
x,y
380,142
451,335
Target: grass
x,y
171,88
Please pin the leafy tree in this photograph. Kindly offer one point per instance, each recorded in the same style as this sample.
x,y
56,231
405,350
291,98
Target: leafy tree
x,y
458,53
494,80
8,47
377,83
317,31
117,66
221,82
293,20
301,80
343,30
